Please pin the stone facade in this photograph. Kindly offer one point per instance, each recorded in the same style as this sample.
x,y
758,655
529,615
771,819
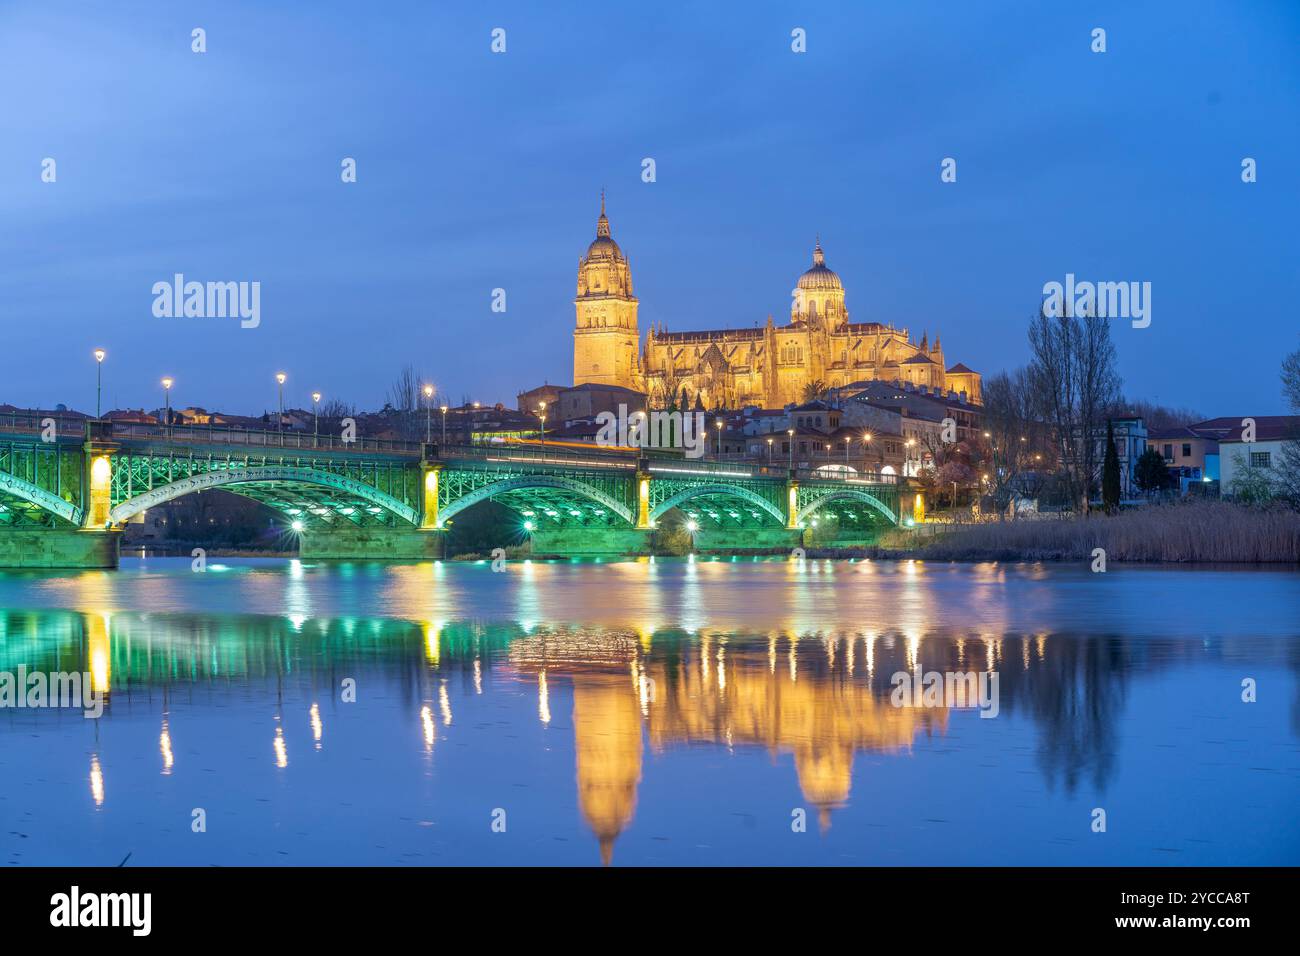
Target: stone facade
x,y
770,366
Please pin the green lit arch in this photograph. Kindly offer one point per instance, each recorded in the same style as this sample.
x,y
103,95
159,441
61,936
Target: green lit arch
x,y
525,482
845,494
262,475
730,491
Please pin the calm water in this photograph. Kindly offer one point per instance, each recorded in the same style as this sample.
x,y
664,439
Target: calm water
x,y
652,713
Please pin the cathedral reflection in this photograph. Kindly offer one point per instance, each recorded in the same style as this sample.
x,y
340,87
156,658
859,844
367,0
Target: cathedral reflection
x,y
678,691
820,699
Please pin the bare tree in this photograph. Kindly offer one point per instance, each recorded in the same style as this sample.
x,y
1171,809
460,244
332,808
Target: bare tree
x,y
1074,383
1015,444
407,403
1289,474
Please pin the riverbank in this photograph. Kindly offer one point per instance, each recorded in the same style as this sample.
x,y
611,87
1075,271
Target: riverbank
x,y
1201,531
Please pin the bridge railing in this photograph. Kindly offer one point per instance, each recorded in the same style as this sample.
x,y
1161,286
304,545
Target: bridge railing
x,y
24,423
259,438
852,478
541,454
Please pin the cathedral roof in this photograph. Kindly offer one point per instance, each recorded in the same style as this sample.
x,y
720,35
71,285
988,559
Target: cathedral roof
x,y
959,368
918,359
819,276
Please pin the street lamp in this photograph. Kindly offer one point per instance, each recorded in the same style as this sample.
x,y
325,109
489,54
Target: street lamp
x,y
167,399
541,419
718,425
428,414
279,422
315,429
790,433
443,409
99,377
769,451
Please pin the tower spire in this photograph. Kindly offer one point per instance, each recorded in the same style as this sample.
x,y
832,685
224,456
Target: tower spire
x,y
602,224
818,256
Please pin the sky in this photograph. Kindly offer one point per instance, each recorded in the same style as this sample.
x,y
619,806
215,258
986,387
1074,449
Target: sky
x,y
479,170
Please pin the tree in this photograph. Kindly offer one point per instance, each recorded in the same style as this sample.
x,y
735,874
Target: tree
x,y
1251,485
1074,382
1150,472
952,477
1015,444
1110,488
407,403
1162,416
1288,473
815,391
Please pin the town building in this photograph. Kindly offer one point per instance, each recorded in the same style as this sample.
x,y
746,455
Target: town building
x,y
1237,456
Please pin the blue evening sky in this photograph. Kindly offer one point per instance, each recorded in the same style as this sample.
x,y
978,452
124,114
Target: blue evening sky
x,y
478,171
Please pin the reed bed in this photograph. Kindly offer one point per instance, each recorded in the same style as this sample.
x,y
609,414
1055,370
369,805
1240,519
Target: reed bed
x,y
1202,531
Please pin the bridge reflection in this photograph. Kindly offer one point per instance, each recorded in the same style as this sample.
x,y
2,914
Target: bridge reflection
x,y
820,700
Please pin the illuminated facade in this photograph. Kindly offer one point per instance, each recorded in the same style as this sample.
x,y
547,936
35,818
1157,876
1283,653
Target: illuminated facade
x,y
768,366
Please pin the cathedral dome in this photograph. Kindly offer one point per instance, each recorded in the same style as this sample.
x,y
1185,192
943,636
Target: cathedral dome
x,y
603,246
820,277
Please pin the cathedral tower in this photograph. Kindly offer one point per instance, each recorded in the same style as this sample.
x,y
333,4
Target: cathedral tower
x,y
606,339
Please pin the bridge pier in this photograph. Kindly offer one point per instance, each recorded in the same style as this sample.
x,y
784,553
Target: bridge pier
x,y
58,548
746,540
579,542
371,543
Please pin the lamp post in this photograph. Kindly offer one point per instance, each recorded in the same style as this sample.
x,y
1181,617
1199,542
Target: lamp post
x,y
99,378
279,421
167,402
790,433
847,442
315,428
866,446
443,409
428,413
718,426
541,423
769,451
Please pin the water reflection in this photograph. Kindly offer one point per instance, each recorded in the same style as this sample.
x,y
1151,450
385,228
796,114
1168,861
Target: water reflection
x,y
820,699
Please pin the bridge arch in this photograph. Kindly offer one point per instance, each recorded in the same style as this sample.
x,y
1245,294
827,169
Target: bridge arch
x,y
845,494
731,491
525,482
23,490
262,475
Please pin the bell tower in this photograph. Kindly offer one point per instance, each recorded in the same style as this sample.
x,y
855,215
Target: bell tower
x,y
605,337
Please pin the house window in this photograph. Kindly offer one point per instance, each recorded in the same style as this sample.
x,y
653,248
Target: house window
x,y
1261,459
1168,452
1187,449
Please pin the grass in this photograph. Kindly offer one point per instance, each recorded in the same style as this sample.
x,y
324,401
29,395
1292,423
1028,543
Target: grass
x,y
1202,531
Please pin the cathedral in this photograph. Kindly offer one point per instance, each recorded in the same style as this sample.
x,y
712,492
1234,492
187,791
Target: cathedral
x,y
770,366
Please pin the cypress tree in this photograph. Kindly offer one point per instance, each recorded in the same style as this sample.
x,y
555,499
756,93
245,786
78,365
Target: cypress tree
x,y
1110,472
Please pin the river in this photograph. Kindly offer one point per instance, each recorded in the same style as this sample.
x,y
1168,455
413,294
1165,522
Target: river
x,y
730,711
